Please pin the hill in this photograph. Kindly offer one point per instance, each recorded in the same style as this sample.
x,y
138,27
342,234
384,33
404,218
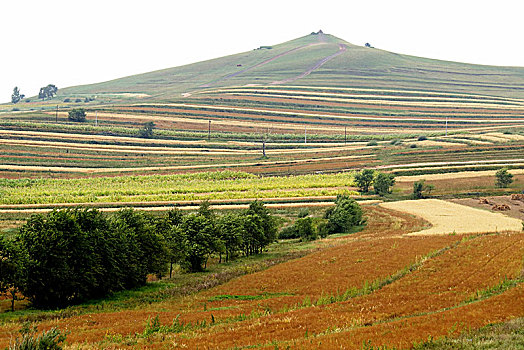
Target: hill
x,y
317,59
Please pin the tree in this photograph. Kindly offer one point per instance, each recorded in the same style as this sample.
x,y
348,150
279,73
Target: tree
x,y
16,96
364,179
305,229
62,264
12,269
169,228
147,131
383,183
231,233
48,91
504,178
346,214
144,248
200,240
77,115
421,189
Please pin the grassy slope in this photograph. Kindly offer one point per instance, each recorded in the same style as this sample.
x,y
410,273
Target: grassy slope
x,y
358,66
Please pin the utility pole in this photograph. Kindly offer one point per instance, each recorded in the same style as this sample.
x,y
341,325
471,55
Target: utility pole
x,y
264,148
56,114
209,131
305,134
446,126
96,118
345,134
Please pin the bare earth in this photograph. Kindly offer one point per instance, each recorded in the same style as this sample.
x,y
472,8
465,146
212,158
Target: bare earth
x,y
448,218
516,207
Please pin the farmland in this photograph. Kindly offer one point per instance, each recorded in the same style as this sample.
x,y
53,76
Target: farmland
x,y
291,125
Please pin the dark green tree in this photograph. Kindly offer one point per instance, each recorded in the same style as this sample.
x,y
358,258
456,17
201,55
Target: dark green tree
x,y
231,232
260,216
364,179
200,239
383,183
503,178
62,266
346,214
305,229
169,228
77,115
145,251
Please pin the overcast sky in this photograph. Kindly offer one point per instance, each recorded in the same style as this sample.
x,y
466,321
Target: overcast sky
x,y
78,42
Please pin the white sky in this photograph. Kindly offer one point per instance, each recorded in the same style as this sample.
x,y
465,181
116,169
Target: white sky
x,y
78,42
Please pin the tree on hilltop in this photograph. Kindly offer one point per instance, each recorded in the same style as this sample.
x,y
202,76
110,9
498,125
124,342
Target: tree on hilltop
x,y
16,96
48,91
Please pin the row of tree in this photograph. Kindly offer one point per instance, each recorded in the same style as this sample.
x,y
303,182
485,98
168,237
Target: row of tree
x,y
342,218
72,255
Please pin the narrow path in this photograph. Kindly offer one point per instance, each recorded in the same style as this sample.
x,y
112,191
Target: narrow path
x,y
341,49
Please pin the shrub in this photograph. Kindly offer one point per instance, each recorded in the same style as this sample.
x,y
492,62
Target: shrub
x,y
421,189
346,214
50,340
77,115
503,178
422,138
413,145
305,229
288,232
372,143
395,142
303,212
67,100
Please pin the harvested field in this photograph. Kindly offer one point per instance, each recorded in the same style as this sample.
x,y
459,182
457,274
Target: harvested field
x,y
516,207
450,218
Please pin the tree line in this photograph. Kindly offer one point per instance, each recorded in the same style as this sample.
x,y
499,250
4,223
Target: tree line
x,y
72,255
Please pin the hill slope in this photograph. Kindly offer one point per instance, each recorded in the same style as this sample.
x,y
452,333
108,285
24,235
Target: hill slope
x,y
316,60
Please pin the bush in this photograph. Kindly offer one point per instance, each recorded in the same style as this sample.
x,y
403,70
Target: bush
x,y
346,214
67,100
413,145
422,138
147,131
421,189
372,143
289,232
395,142
77,115
303,212
503,178
49,340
